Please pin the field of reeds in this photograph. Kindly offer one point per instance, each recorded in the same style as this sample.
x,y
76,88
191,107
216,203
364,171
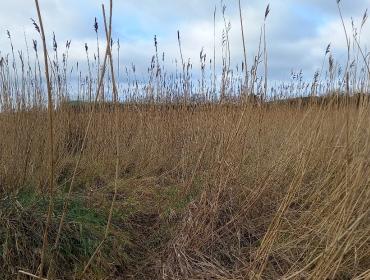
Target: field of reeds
x,y
224,177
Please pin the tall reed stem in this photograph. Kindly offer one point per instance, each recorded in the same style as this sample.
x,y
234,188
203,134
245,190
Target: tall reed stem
x,y
245,68
51,142
80,154
108,32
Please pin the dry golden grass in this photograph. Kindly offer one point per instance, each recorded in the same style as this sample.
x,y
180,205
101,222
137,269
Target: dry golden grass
x,y
301,217
162,187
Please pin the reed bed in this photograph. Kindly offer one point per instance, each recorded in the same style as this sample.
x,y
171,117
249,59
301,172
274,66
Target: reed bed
x,y
170,177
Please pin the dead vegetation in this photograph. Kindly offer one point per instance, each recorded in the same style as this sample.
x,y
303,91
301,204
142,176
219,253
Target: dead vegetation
x,y
180,182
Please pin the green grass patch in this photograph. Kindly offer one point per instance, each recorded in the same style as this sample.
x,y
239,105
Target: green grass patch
x,y
22,221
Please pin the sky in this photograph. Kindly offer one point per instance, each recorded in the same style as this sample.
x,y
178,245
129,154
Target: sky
x,y
297,31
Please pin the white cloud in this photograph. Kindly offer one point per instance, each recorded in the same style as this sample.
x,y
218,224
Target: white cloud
x,y
297,31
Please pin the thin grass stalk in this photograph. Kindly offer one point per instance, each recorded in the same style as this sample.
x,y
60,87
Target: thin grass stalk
x,y
51,142
214,53
347,132
116,106
245,68
90,75
184,80
265,52
83,145
80,154
347,39
25,273
346,73
96,28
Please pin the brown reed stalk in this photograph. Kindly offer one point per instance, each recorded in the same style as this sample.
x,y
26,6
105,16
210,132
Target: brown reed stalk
x,y
184,79
89,68
263,94
116,113
245,68
51,140
214,53
347,40
80,154
108,32
267,12
96,28
25,273
347,80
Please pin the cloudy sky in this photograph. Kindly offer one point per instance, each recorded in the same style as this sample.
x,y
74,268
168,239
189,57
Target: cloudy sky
x,y
298,31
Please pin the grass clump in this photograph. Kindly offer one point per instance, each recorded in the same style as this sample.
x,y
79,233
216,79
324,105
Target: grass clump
x,y
22,216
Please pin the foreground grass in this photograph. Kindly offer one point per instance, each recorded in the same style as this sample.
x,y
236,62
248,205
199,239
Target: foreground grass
x,y
206,192
136,230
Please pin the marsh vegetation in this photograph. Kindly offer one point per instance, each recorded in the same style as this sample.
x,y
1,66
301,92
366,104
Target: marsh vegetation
x,y
223,177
